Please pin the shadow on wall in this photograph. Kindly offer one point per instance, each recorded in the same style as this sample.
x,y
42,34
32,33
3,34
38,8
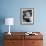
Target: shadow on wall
x,y
2,21
1,39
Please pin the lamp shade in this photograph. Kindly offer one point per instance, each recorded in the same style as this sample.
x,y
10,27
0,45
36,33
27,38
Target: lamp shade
x,y
9,21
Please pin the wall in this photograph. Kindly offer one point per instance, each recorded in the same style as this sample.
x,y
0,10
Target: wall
x,y
11,8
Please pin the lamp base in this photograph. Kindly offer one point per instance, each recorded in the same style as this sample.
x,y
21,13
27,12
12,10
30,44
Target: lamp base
x,y
9,33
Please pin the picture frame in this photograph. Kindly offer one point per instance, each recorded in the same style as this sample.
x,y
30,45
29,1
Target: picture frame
x,y
27,16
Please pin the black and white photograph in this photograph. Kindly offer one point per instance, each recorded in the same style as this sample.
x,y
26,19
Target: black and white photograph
x,y
27,15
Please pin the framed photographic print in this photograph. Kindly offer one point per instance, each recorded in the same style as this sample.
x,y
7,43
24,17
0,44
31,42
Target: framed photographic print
x,y
27,15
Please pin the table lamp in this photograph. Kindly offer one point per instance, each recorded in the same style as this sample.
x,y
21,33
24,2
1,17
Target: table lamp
x,y
9,21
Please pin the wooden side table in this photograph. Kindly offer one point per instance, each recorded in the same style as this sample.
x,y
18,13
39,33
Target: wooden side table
x,y
20,39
